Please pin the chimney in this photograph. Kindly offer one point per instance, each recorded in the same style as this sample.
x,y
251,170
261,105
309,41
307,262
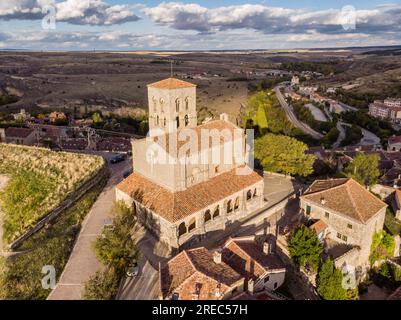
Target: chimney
x,y
266,248
323,201
217,257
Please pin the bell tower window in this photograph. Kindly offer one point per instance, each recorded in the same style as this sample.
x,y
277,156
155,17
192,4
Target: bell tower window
x,y
186,103
186,120
177,105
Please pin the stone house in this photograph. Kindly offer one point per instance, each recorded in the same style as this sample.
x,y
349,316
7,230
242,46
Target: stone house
x,y
241,266
397,204
180,191
394,144
351,213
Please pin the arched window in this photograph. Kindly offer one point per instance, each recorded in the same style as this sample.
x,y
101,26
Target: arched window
x,y
177,105
165,122
249,195
255,192
192,225
177,120
229,206
182,229
216,212
186,120
208,216
186,103
161,105
154,104
157,120
236,205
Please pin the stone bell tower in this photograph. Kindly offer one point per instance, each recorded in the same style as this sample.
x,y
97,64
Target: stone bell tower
x,y
172,105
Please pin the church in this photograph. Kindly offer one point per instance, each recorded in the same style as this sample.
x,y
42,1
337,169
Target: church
x,y
189,180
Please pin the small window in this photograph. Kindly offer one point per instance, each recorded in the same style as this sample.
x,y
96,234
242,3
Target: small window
x,y
236,205
192,225
327,215
186,103
338,235
229,206
249,195
186,120
275,285
349,226
267,279
208,216
308,210
255,192
216,212
345,238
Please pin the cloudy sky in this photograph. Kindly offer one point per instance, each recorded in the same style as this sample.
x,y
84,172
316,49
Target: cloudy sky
x,y
197,24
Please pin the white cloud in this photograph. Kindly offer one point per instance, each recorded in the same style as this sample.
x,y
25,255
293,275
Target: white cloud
x,y
271,20
90,12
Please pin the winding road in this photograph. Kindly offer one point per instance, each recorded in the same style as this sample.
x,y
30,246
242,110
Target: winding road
x,y
291,116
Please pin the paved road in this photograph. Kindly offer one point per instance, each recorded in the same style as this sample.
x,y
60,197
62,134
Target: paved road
x,y
369,138
83,263
291,116
146,285
341,136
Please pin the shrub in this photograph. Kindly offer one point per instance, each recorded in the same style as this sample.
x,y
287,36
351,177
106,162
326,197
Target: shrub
x,y
102,286
329,282
305,248
383,246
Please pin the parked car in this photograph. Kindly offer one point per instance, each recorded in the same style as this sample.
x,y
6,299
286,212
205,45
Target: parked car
x,y
133,270
127,174
117,159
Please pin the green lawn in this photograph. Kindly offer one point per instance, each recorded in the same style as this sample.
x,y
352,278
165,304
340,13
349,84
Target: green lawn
x,y
40,180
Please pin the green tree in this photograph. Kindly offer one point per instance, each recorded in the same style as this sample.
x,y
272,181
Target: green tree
x,y
305,248
102,286
284,154
115,247
364,169
329,282
383,246
97,118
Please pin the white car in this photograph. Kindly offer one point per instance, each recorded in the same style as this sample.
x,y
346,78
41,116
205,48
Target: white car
x,y
133,270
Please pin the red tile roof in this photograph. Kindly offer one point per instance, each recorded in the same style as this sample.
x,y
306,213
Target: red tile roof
x,y
318,226
174,206
247,258
181,271
396,295
171,83
345,196
394,139
18,132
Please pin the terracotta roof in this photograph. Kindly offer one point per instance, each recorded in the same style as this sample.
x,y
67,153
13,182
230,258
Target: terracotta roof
x,y
18,132
394,139
171,83
247,258
174,206
318,226
345,196
182,267
396,295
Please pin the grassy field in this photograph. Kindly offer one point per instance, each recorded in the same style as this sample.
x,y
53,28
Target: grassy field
x,y
39,181
20,276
